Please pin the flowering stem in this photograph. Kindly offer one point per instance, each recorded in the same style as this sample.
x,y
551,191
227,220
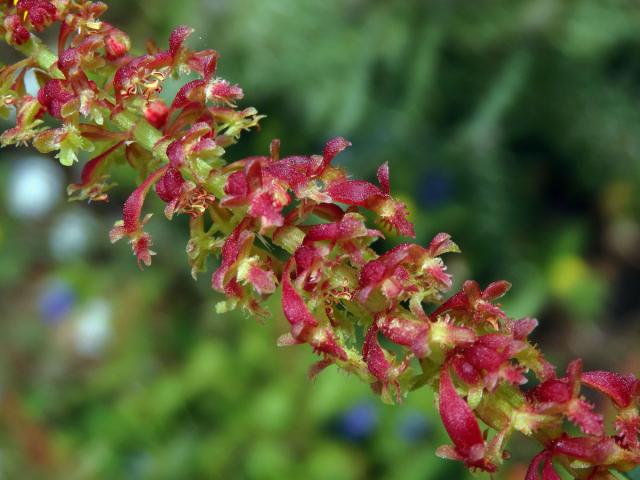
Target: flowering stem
x,y
339,295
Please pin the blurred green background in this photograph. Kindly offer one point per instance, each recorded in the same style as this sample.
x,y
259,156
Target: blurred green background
x,y
514,125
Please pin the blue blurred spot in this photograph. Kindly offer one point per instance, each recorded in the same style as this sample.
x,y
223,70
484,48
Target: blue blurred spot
x,y
359,422
413,427
138,465
56,302
437,188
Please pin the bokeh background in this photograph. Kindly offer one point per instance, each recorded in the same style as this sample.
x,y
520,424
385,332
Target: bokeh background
x,y
514,125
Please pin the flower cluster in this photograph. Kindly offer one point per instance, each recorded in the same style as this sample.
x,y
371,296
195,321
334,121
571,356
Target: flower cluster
x,y
296,224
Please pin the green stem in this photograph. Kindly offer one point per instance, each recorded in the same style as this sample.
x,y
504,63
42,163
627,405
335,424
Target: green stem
x,y
45,58
143,132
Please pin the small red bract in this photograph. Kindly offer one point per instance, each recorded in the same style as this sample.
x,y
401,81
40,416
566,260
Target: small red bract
x,y
461,425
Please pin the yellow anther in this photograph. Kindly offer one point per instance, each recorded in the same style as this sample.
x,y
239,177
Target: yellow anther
x,y
25,14
94,24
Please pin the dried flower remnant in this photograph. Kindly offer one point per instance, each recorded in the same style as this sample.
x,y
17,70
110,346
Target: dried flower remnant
x,y
296,224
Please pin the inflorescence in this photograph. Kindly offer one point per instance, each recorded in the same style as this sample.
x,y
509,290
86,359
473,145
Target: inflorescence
x,y
296,223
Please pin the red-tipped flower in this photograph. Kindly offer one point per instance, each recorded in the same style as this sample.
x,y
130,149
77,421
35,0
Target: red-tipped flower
x,y
461,425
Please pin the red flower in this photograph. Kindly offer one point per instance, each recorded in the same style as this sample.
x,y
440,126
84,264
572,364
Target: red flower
x,y
562,395
235,248
54,96
17,34
116,45
624,390
347,233
177,38
302,174
304,327
548,472
181,196
462,427
402,330
487,360
406,270
170,185
190,93
476,304
195,143
40,13
264,197
132,226
223,92
93,184
382,365
594,450
144,75
364,194
156,113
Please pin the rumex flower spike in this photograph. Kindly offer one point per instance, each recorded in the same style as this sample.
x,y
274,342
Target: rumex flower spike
x,y
294,222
